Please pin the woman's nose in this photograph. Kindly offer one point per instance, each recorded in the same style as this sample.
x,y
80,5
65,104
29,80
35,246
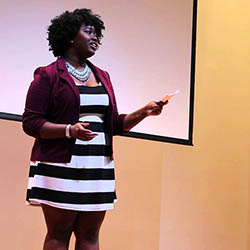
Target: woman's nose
x,y
94,37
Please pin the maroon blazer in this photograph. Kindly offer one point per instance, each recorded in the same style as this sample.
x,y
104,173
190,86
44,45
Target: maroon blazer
x,y
54,97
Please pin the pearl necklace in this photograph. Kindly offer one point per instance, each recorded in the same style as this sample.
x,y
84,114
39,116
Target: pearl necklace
x,y
81,75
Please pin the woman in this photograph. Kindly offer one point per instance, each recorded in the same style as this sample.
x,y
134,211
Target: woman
x,y
71,111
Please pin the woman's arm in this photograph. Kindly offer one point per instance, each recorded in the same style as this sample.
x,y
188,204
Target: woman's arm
x,y
37,103
132,119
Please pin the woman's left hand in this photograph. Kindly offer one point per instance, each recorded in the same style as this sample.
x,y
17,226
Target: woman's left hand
x,y
154,108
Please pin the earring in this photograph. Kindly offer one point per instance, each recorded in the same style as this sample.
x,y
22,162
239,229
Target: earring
x,y
71,41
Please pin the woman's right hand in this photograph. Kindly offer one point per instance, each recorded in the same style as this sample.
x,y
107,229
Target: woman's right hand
x,y
80,131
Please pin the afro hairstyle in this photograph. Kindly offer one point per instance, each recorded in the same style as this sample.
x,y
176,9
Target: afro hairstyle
x,y
65,27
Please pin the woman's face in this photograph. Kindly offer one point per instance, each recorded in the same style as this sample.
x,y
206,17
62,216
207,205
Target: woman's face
x,y
85,43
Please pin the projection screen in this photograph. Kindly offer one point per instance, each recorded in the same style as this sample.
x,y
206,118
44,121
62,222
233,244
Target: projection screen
x,y
148,49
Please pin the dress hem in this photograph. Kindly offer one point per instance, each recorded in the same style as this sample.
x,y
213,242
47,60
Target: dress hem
x,y
37,203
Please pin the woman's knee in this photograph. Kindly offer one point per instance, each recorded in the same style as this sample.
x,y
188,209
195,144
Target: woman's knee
x,y
90,235
87,226
60,233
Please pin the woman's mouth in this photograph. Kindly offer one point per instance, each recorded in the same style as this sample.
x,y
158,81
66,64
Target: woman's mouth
x,y
93,45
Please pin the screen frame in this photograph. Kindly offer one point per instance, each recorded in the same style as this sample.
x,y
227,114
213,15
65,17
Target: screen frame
x,y
189,141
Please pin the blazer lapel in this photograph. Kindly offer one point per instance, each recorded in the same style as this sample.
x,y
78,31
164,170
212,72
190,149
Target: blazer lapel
x,y
65,75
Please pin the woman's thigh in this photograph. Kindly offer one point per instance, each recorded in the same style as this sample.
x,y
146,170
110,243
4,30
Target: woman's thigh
x,y
59,221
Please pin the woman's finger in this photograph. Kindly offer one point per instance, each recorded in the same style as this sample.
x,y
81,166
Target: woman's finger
x,y
161,103
85,132
87,137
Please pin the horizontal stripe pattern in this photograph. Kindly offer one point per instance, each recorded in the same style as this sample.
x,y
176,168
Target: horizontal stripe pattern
x,y
77,162
71,185
94,99
71,197
91,90
71,173
87,182
91,117
91,109
95,150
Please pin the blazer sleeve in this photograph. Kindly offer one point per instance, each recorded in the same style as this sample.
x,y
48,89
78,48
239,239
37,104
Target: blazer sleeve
x,y
37,103
118,119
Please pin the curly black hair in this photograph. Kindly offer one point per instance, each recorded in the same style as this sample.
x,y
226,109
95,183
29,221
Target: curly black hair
x,y
64,28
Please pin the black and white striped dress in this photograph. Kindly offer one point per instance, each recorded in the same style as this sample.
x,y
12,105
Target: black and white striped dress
x,y
87,183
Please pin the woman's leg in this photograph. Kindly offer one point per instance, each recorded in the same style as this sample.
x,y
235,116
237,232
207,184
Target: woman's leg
x,y
59,227
86,229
